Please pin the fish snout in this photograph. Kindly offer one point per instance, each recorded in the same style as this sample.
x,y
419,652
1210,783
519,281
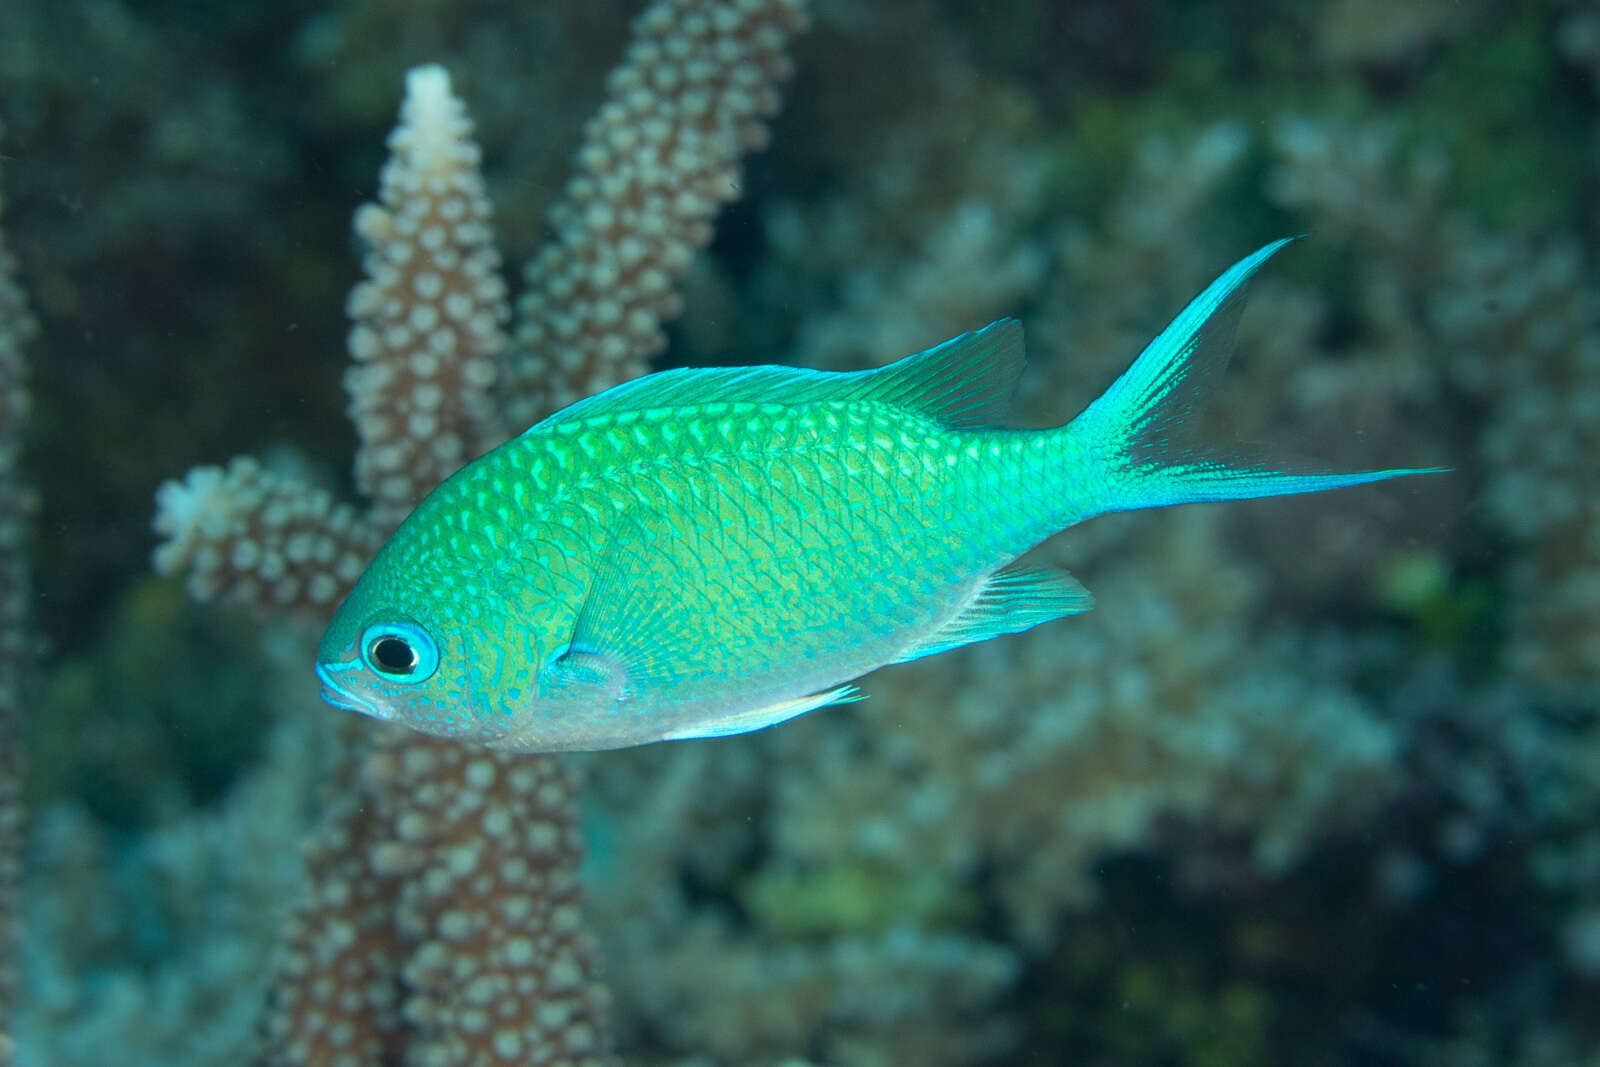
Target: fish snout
x,y
341,696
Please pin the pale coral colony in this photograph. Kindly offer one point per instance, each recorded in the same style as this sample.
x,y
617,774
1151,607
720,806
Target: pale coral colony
x,y
1321,786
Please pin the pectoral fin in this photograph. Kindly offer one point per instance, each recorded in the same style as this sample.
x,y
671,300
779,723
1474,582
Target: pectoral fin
x,y
624,639
582,675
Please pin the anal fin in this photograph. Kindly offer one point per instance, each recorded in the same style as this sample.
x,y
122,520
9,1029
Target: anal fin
x,y
1011,600
742,722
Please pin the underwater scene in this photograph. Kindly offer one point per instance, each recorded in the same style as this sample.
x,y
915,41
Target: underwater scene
x,y
597,766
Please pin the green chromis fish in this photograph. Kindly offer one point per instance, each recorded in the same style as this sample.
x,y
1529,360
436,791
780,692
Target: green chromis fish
x,y
698,553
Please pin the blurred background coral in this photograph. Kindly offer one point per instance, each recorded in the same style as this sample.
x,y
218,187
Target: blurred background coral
x,y
1317,781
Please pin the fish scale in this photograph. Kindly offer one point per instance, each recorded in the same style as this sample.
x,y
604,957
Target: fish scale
x,y
705,552
704,531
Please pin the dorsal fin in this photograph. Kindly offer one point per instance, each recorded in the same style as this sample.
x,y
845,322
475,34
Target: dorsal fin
x,y
969,380
966,381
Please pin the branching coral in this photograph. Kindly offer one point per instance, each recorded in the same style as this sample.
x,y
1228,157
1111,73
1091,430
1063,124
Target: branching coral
x,y
692,95
905,878
1478,304
16,328
156,946
987,783
1060,747
443,924
428,339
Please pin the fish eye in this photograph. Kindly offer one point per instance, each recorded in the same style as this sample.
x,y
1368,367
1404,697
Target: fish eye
x,y
393,655
400,651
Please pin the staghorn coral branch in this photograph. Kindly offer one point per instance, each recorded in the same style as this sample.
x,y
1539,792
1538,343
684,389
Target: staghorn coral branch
x,y
428,337
446,923
17,327
251,536
659,159
443,922
358,979
490,903
336,981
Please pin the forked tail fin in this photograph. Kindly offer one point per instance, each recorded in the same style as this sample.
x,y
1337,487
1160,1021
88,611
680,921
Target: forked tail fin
x,y
1135,434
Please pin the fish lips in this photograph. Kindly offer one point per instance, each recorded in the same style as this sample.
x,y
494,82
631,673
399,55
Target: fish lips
x,y
340,697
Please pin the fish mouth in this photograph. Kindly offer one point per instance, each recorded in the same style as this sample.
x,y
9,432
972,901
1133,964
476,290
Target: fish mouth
x,y
342,698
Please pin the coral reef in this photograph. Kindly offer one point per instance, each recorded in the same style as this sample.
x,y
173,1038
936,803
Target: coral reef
x,y
158,945
1315,781
690,98
1477,299
17,327
428,339
444,924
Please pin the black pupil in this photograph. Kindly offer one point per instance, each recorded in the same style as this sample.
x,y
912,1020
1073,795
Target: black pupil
x,y
393,654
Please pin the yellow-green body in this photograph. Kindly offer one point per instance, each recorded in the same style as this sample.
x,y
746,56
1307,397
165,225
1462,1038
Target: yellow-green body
x,y
707,552
735,597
